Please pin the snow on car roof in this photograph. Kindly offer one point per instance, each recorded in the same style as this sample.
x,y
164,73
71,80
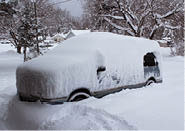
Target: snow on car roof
x,y
84,46
104,41
79,32
109,45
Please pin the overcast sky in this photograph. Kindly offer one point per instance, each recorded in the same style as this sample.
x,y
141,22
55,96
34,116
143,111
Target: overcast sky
x,y
74,6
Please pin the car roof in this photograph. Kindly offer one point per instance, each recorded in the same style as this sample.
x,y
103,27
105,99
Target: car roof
x,y
105,41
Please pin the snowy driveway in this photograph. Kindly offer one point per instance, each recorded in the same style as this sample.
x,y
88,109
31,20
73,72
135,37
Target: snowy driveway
x,y
160,106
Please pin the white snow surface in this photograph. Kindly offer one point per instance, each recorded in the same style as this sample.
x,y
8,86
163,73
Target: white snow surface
x,y
156,107
72,116
6,47
79,32
9,60
73,64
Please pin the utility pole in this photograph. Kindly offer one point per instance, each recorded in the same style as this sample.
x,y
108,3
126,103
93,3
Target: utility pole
x,y
36,23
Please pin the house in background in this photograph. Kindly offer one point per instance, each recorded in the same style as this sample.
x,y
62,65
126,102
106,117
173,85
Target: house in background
x,y
73,33
59,37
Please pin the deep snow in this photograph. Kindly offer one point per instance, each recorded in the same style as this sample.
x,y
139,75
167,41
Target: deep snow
x,y
160,106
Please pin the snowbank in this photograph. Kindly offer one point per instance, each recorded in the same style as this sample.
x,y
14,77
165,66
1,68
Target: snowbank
x,y
85,118
6,47
68,116
9,53
73,64
10,59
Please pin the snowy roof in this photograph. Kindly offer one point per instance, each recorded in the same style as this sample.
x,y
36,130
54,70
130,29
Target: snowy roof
x,y
59,35
79,32
106,41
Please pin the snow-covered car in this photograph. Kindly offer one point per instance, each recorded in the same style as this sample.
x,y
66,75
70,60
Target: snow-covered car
x,y
93,64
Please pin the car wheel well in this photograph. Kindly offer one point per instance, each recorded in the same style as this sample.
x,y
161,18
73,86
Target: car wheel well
x,y
80,90
149,81
152,78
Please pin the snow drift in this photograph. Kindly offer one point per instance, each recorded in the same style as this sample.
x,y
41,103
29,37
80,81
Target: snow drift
x,y
85,118
73,64
68,116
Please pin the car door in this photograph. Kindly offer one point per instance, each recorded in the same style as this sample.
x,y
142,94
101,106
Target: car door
x,y
107,79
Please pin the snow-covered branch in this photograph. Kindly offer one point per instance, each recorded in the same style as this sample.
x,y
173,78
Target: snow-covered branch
x,y
141,18
175,10
112,16
118,27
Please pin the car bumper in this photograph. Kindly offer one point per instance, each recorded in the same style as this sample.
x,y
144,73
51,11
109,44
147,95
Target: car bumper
x,y
52,101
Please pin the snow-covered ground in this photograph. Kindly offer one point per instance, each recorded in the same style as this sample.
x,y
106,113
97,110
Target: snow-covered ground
x,y
159,106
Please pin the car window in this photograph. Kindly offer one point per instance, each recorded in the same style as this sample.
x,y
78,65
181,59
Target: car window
x,y
150,60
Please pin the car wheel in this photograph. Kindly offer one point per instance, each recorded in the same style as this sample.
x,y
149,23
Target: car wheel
x,y
78,97
150,82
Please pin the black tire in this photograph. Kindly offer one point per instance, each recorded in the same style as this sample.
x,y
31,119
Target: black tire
x,y
78,96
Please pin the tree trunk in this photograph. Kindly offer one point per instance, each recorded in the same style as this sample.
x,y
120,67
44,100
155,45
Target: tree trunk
x,y
18,49
16,43
24,53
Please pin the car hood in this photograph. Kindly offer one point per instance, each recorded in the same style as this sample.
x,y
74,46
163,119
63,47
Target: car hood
x,y
57,75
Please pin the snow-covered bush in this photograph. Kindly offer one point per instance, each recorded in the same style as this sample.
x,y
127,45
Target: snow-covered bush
x,y
179,49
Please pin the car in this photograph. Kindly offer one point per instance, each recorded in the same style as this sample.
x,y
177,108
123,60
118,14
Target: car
x,y
93,64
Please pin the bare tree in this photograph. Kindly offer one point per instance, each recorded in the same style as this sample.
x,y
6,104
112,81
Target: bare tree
x,y
45,19
153,19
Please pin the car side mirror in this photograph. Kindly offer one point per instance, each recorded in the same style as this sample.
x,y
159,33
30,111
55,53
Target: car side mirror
x,y
101,69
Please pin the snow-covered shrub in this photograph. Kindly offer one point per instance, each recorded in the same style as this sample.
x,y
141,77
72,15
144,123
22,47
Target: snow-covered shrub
x,y
179,49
